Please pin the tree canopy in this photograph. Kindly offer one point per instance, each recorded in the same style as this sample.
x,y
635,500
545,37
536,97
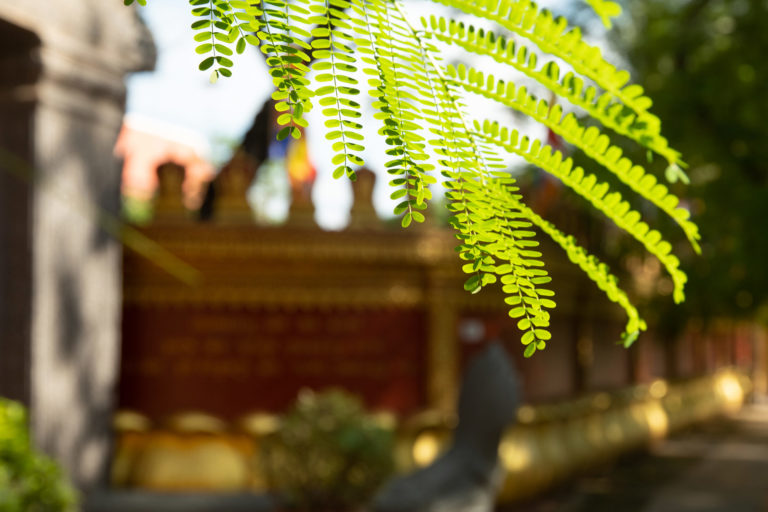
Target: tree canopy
x,y
702,60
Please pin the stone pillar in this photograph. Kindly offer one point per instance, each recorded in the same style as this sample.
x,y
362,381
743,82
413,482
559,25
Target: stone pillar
x,y
363,214
169,199
19,72
60,290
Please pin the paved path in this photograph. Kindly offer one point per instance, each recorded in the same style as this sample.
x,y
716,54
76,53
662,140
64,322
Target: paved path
x,y
718,467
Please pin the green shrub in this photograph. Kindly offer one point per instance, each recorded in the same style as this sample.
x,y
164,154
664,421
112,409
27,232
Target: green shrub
x,y
29,481
328,454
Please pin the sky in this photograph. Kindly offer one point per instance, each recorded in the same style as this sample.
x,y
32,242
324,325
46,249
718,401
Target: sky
x,y
179,96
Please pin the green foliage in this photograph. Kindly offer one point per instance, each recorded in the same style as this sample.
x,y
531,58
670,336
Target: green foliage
x,y
29,482
704,63
606,10
328,455
420,105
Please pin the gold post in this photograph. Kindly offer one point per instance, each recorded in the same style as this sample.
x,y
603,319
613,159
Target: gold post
x,y
760,357
442,350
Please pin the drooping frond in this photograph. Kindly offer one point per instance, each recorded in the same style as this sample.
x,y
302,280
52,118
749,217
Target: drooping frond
x,y
606,10
597,271
314,50
396,95
591,141
216,31
335,62
522,273
570,86
588,187
496,238
275,27
551,35
287,58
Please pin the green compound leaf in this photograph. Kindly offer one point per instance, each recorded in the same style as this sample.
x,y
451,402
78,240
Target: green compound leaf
x,y
606,10
319,51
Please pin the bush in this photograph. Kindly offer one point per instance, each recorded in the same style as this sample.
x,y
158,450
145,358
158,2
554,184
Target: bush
x,y
29,481
328,454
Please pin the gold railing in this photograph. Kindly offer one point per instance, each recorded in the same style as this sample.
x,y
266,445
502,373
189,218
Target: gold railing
x,y
197,452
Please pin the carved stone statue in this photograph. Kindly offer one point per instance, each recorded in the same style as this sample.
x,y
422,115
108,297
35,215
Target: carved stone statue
x,y
465,478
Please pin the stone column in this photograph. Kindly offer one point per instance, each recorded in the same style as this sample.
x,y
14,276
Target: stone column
x,y
61,294
19,73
